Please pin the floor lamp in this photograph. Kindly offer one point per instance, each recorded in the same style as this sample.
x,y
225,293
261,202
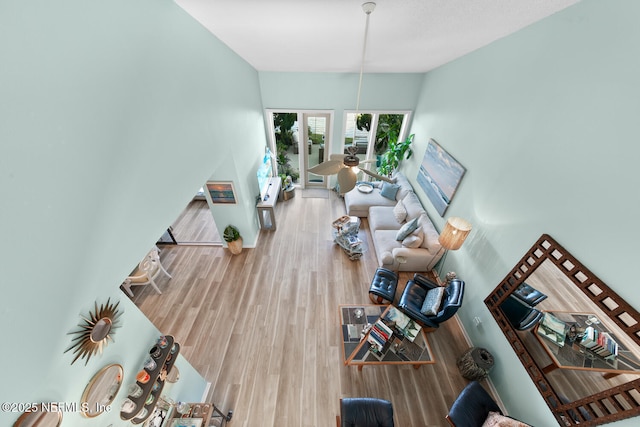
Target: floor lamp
x,y
452,237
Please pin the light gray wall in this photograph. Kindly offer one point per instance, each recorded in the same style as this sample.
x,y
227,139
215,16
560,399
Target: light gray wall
x,y
113,114
545,121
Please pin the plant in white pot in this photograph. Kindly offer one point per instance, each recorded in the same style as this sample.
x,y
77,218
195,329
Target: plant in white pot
x,y
232,236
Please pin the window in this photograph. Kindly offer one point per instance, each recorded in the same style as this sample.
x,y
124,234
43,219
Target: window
x,y
372,131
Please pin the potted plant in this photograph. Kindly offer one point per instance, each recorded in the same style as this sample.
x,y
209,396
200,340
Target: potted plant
x,y
232,236
396,152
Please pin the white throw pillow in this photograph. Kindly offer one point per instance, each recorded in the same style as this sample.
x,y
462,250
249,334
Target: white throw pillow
x,y
413,240
400,212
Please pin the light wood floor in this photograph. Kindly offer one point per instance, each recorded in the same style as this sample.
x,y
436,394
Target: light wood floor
x,y
263,326
195,225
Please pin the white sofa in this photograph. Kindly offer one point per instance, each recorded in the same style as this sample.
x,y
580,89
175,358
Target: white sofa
x,y
382,213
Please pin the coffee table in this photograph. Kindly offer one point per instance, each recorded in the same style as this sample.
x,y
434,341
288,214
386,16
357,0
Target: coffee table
x,y
567,354
407,343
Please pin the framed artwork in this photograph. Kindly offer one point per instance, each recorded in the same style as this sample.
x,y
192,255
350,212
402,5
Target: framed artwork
x,y
439,176
221,192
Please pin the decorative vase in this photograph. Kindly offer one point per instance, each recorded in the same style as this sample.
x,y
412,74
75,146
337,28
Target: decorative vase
x,y
235,247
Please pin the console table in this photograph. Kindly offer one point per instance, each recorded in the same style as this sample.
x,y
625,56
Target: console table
x,y
265,207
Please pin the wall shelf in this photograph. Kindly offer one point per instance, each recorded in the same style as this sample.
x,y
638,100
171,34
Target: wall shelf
x,y
164,362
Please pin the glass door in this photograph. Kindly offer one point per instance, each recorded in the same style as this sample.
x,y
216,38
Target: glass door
x,y
313,138
371,133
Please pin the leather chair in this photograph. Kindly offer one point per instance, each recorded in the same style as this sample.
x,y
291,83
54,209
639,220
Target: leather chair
x,y
365,412
521,316
383,286
415,292
471,407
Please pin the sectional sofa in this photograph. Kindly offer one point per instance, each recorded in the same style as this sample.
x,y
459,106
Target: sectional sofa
x,y
392,209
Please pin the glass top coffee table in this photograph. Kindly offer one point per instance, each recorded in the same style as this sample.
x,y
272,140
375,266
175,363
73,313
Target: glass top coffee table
x,y
572,353
382,335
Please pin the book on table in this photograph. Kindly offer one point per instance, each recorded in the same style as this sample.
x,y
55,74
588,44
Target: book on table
x,y
601,343
379,335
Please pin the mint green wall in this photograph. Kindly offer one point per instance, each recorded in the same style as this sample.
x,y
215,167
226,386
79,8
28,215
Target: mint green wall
x,y
113,114
339,92
545,121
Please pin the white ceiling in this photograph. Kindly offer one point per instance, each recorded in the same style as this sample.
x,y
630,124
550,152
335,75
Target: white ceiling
x,y
327,35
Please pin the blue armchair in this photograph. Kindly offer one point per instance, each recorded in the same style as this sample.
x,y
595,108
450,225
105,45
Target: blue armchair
x,y
415,292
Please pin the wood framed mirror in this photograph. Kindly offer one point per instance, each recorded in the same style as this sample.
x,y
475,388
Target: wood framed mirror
x,y
42,417
101,390
580,385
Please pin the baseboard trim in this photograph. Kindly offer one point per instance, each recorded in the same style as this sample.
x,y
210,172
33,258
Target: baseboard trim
x,y
206,393
488,379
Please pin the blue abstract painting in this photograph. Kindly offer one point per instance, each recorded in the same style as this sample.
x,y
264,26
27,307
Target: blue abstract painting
x,y
439,176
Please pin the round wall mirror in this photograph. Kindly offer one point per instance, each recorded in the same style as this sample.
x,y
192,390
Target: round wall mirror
x,y
39,419
95,331
101,390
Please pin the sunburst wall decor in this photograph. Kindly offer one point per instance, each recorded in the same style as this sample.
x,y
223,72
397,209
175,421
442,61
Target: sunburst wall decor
x,y
95,332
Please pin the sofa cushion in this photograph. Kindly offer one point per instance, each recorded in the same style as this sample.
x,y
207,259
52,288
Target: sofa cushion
x,y
412,205
400,212
430,237
413,240
432,301
389,190
358,203
407,228
382,218
385,242
403,182
495,419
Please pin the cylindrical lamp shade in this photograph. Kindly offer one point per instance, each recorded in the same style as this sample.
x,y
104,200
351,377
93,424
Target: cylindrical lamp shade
x,y
455,232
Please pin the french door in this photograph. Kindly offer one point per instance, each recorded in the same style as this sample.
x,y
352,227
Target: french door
x,y
314,146
301,139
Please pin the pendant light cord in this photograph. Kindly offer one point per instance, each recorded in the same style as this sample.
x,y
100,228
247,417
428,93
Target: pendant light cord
x,y
367,11
364,50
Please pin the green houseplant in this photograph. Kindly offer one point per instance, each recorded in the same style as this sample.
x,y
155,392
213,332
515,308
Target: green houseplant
x,y
232,236
396,152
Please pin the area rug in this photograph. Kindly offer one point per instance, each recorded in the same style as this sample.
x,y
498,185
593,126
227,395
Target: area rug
x,y
315,193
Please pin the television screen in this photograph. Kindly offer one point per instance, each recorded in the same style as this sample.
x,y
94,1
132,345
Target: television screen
x,y
264,174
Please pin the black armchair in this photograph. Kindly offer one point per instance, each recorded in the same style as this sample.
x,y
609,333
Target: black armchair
x,y
365,412
415,292
472,407
521,316
528,294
